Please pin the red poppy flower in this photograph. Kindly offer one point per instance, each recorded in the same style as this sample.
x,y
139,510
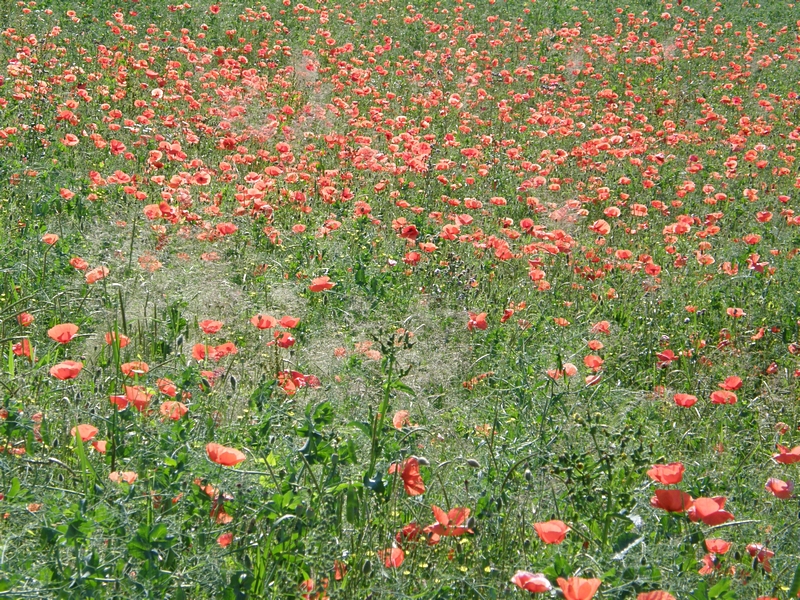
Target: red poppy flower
x,y
786,456
138,396
761,554
96,274
264,321
289,322
22,348
685,400
223,455
717,546
577,588
24,319
536,583
167,387
392,557
671,500
208,326
49,238
400,419
320,284
451,523
100,446
409,533
120,401
723,397
709,511
593,362
111,337
284,339
225,539
199,351
667,474
62,333
85,432
551,532
736,313
130,369
477,321
731,384
173,410
128,477
78,263
655,595
67,369
409,473
779,488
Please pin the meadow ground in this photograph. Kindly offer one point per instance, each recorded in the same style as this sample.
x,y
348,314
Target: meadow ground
x,y
414,300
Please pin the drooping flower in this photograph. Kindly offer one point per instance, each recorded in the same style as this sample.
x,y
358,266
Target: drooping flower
x,y
409,473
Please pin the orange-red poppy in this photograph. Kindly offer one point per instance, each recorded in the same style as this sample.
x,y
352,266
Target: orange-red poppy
x,y
536,583
477,321
409,473
685,400
731,384
761,554
225,539
63,333
131,369
392,557
667,474
173,410
128,477
222,455
551,532
208,326
22,348
111,337
786,456
138,396
723,397
452,523
671,500
289,322
78,263
710,511
264,321
100,446
96,274
85,432
68,369
49,238
577,588
320,284
779,488
24,319
716,546
167,387
655,595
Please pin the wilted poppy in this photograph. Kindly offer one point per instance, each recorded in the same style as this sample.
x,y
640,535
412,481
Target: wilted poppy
x,y
577,588
536,583
409,473
779,488
68,369
320,284
551,532
667,474
63,333
85,432
222,455
400,419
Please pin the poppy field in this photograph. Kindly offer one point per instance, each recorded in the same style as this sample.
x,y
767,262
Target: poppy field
x,y
438,300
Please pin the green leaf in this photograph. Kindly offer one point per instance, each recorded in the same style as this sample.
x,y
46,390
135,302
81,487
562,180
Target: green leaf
x,y
14,491
794,588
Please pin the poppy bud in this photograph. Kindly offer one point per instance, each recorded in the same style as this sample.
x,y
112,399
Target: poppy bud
x,y
423,461
366,568
473,463
471,523
179,341
233,383
528,475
